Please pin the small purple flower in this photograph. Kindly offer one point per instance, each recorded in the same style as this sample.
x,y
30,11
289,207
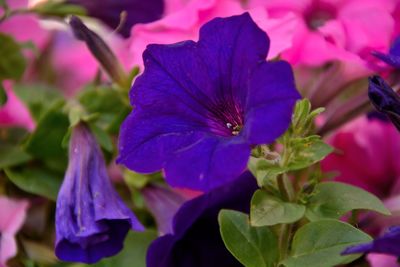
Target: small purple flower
x,y
389,243
199,107
196,240
91,219
109,11
384,99
393,58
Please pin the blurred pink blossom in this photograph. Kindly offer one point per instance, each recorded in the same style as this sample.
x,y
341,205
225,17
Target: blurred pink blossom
x,y
381,260
14,112
367,156
12,216
328,30
183,20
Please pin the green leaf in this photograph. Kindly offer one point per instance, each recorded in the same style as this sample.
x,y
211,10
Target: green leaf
x,y
333,200
3,96
264,170
12,155
319,244
36,181
102,137
37,97
269,210
12,61
55,8
252,246
309,150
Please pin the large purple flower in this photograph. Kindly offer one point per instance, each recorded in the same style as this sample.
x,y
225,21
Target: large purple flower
x,y
389,243
199,107
91,219
393,57
196,240
109,11
384,99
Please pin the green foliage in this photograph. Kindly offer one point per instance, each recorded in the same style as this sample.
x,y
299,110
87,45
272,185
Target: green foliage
x,y
37,97
3,96
270,210
252,246
307,151
264,170
37,181
333,200
12,155
58,9
45,142
320,243
12,61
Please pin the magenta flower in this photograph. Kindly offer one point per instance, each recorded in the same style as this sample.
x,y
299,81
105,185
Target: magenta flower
x,y
199,107
91,219
195,239
109,11
12,216
389,243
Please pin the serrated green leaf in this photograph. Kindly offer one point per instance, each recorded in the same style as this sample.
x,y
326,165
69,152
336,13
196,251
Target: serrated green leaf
x,y
12,61
333,200
269,210
251,246
309,150
36,181
320,243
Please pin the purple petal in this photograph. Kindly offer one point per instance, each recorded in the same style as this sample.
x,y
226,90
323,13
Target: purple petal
x,y
389,243
196,240
190,105
109,11
91,219
384,99
393,58
272,95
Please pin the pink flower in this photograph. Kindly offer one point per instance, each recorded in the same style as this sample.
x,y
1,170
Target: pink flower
x,y
330,30
381,260
12,216
14,112
367,142
24,28
183,20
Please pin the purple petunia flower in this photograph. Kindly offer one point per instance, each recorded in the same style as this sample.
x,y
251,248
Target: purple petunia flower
x,y
384,99
91,219
196,240
199,107
109,11
393,57
389,243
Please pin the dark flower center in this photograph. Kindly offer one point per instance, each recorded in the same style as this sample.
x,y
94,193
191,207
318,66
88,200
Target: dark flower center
x,y
318,13
227,118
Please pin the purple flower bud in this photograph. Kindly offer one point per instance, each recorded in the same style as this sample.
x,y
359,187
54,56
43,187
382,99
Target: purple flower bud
x,y
136,11
384,99
100,50
91,219
389,243
393,57
196,239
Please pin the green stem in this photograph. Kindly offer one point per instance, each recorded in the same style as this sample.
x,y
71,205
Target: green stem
x,y
9,13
